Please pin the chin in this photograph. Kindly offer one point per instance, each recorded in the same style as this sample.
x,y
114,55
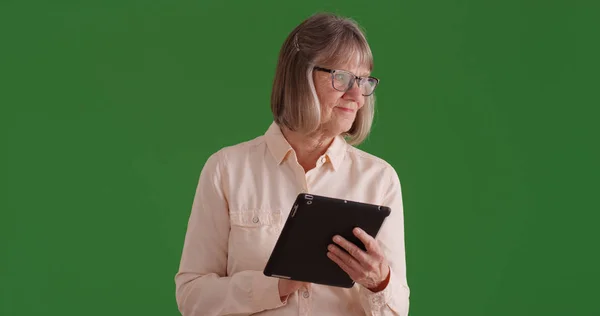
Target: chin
x,y
338,126
343,127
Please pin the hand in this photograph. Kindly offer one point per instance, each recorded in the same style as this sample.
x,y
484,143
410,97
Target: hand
x,y
287,287
369,269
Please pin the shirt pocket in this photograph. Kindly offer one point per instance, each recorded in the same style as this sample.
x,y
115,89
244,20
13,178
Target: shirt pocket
x,y
252,237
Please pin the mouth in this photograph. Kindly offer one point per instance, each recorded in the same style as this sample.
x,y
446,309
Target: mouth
x,y
347,110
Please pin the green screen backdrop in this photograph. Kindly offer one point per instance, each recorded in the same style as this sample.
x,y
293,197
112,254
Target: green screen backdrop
x,y
488,110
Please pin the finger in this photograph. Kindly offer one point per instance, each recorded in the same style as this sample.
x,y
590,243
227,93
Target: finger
x,y
369,242
357,253
342,264
350,261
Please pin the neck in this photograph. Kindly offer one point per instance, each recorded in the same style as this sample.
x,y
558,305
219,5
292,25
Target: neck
x,y
308,148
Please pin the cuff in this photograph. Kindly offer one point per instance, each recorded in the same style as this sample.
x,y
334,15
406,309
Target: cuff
x,y
379,299
265,293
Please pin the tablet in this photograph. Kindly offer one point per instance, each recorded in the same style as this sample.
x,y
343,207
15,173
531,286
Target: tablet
x,y
300,252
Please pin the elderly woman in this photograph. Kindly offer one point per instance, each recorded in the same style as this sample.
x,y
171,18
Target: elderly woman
x,y
323,103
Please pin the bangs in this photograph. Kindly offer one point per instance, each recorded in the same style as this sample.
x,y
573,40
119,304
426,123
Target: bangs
x,y
348,48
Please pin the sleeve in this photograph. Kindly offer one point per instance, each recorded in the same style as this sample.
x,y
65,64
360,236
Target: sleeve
x,y
202,284
394,299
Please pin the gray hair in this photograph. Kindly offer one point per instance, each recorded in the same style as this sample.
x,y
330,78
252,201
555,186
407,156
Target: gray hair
x,y
326,40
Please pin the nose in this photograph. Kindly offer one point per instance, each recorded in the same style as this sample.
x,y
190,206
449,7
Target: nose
x,y
354,93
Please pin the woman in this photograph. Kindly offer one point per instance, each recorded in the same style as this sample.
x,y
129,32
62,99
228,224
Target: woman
x,y
322,102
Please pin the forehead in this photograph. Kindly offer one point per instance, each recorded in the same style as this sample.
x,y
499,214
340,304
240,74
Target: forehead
x,y
355,62
356,67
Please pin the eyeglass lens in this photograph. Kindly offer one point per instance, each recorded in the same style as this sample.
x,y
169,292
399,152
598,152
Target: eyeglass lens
x,y
342,81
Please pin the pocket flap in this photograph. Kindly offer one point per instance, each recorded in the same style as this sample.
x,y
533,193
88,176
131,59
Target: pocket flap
x,y
255,218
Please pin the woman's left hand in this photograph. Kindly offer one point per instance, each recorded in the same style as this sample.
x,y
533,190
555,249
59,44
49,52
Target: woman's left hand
x,y
369,269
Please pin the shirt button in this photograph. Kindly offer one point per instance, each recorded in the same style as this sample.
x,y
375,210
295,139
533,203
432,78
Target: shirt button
x,y
306,294
323,160
255,220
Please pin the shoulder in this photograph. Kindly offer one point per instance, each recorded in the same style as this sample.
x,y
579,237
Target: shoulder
x,y
233,153
369,163
362,157
241,149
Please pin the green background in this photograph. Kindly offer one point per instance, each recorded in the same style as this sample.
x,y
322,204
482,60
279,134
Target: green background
x,y
487,109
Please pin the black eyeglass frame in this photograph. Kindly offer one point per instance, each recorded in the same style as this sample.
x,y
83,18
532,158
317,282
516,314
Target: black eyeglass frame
x,y
351,83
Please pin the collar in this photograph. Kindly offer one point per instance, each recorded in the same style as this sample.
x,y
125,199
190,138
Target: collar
x,y
280,148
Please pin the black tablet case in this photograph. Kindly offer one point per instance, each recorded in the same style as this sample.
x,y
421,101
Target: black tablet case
x,y
301,251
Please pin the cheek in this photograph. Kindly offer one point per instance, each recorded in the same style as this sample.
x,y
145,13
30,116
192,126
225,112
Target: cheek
x,y
329,99
330,102
362,102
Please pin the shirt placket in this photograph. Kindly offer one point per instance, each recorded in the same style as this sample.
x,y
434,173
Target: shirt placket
x,y
299,174
310,178
306,180
304,301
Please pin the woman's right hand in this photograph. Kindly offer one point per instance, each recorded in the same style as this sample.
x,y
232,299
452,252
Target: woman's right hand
x,y
287,287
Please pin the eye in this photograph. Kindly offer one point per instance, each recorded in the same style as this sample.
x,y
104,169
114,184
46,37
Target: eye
x,y
341,78
368,81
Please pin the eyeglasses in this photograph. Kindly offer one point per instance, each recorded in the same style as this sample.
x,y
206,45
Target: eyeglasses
x,y
344,80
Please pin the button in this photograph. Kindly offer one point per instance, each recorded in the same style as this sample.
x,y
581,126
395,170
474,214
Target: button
x,y
255,220
323,160
306,294
376,300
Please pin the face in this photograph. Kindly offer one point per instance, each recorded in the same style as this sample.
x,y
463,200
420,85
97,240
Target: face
x,y
339,109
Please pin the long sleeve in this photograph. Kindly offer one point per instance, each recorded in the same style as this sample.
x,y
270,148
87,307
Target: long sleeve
x,y
202,284
394,299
